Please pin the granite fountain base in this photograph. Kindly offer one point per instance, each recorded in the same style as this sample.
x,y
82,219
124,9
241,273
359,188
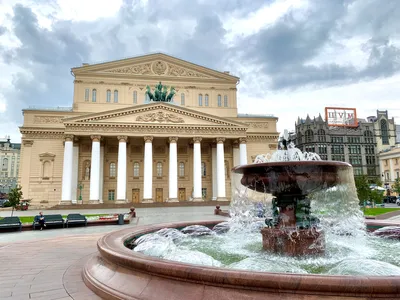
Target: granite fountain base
x,y
117,272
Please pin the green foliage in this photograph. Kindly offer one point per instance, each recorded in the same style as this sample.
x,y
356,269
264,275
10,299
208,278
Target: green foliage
x,y
362,186
14,197
377,181
396,186
160,93
376,196
364,193
378,211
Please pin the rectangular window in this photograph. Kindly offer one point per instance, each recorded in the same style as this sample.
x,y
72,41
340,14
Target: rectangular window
x,y
337,149
355,160
322,149
87,94
337,139
219,101
371,171
135,97
225,101
111,195
94,95
200,100
206,100
358,171
338,157
115,96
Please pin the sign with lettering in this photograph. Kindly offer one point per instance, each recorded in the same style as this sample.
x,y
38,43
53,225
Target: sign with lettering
x,y
340,116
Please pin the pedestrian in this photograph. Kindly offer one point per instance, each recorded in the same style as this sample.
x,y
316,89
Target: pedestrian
x,y
42,221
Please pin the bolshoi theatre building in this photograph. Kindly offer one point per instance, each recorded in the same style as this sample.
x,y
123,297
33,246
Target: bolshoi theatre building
x,y
117,145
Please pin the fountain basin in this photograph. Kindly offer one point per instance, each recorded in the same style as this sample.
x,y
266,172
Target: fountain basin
x,y
117,272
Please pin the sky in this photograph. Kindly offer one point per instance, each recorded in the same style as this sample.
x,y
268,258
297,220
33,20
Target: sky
x,y
293,57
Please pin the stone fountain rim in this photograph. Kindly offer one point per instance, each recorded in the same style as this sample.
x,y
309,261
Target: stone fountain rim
x,y
320,163
112,249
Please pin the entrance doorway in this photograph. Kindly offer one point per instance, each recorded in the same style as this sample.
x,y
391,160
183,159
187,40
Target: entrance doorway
x,y
159,195
182,194
135,195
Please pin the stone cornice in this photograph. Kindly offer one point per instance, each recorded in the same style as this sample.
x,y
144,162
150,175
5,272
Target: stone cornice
x,y
259,137
152,108
31,133
139,129
142,86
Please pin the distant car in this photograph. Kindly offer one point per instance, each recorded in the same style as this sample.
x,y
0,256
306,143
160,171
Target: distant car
x,y
3,202
389,199
398,201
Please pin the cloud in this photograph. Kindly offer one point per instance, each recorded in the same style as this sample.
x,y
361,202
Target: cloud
x,y
315,45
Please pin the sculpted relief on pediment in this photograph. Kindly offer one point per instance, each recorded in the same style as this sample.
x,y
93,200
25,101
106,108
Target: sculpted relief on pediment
x,y
160,117
160,68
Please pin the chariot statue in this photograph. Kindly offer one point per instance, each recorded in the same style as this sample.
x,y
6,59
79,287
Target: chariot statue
x,y
160,93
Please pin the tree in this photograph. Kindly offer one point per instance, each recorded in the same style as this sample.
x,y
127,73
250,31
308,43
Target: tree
x,y
14,197
376,196
396,186
362,186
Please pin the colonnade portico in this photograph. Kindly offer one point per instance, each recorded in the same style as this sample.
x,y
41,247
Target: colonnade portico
x,y
97,155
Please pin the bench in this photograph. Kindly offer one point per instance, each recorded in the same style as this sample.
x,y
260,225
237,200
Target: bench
x,y
49,220
76,219
11,222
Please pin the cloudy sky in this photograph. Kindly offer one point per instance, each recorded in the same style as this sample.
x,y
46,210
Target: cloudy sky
x,y
294,57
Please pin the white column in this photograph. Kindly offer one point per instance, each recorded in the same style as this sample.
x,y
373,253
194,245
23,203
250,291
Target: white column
x,y
75,168
236,154
221,190
214,171
173,169
101,187
243,151
148,169
391,172
197,185
121,175
67,170
95,170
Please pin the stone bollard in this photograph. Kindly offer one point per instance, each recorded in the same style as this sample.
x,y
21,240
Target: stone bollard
x,y
217,210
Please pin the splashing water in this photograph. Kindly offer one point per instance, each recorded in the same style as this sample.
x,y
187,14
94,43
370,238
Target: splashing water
x,y
237,243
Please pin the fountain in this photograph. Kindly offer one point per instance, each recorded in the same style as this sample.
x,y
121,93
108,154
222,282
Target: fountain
x,y
313,243
290,176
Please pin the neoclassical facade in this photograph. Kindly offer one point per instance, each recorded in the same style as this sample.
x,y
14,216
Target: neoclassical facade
x,y
116,146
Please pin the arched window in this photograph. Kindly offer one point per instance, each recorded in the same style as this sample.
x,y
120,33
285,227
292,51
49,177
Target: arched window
x,y
182,99
384,133
108,98
200,100
181,169
86,170
46,170
206,100
203,169
321,135
113,169
309,136
134,97
115,96
5,164
94,95
225,101
219,101
136,169
159,169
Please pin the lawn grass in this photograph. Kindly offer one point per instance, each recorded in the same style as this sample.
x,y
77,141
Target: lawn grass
x,y
378,210
29,219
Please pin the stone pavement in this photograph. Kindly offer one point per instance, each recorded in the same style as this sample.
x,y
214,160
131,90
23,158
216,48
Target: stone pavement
x,y
47,264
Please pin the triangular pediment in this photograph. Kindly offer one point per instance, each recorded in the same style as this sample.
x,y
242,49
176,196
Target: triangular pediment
x,y
155,113
155,65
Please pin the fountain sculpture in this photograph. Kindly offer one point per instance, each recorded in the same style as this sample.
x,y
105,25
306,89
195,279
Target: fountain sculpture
x,y
290,176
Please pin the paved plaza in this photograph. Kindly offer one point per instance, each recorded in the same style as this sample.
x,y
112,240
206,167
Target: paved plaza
x,y
47,264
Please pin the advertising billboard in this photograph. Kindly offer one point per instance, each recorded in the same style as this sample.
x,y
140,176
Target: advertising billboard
x,y
341,116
